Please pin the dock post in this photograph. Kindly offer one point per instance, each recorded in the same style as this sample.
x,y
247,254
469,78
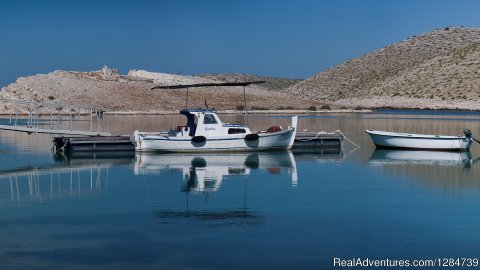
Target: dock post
x,y
98,120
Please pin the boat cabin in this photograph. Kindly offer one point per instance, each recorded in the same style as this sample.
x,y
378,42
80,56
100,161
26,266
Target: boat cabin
x,y
201,122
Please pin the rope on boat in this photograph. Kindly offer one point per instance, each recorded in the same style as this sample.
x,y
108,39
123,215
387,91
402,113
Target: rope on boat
x,y
339,132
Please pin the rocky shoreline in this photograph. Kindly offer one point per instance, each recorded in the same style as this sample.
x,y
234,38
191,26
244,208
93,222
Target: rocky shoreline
x,y
226,112
270,112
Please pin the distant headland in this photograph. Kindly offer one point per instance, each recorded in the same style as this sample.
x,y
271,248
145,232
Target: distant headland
x,y
435,70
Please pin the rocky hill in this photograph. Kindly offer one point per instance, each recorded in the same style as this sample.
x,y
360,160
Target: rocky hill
x,y
110,91
435,70
438,70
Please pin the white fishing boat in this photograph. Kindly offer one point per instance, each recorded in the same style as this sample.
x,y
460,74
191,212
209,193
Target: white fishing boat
x,y
387,139
205,132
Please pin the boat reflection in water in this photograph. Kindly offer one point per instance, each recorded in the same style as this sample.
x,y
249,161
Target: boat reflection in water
x,y
408,157
206,172
206,202
451,172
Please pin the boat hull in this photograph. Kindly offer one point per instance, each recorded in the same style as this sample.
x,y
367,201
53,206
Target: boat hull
x,y
383,139
267,141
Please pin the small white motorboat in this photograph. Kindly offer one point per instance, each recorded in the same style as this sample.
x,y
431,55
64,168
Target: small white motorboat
x,y
205,132
385,139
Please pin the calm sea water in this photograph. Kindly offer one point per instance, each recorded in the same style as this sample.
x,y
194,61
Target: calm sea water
x,y
241,211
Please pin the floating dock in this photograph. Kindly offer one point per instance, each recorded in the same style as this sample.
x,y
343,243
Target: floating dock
x,y
117,144
318,140
93,144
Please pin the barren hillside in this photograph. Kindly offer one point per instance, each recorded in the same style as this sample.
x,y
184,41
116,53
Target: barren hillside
x,y
108,90
435,70
440,69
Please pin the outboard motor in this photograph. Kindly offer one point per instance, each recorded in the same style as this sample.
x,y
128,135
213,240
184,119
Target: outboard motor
x,y
468,133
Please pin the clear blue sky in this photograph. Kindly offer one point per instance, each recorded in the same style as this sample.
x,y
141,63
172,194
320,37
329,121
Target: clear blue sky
x,y
293,39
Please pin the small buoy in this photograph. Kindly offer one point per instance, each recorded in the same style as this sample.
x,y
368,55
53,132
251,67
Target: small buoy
x,y
198,139
251,137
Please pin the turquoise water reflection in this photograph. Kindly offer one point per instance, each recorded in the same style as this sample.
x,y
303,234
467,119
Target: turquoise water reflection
x,y
152,210
241,211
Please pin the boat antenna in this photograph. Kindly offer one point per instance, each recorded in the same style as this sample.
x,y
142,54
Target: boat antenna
x,y
245,100
206,105
186,100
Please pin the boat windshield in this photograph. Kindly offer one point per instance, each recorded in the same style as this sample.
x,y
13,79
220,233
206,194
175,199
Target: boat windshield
x,y
209,119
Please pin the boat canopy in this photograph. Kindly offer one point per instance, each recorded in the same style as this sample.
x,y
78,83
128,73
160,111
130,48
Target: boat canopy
x,y
187,112
180,86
